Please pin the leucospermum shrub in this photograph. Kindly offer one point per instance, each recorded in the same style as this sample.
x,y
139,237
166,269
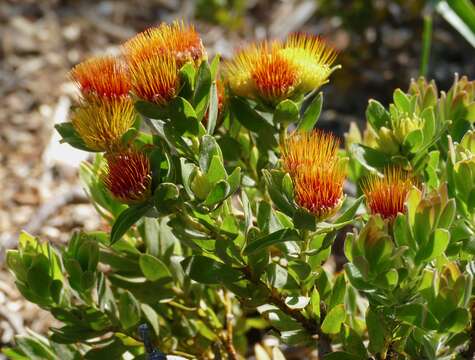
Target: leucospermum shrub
x,y
224,203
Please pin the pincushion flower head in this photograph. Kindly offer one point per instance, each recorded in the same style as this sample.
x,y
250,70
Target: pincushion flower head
x,y
313,58
155,56
105,111
274,71
316,170
386,195
128,176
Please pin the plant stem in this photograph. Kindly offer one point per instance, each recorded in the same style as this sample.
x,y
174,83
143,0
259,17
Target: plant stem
x,y
426,44
228,324
324,342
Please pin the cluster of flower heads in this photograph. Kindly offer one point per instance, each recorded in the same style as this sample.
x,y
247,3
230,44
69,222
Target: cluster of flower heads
x,y
278,70
386,195
318,173
149,70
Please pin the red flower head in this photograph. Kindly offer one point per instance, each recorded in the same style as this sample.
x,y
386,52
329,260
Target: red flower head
x,y
386,195
128,176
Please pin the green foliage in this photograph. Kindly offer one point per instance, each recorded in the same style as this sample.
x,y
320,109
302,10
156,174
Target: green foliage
x,y
222,245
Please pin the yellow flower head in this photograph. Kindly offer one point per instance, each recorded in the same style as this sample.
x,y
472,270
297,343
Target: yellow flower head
x,y
316,170
182,41
313,58
386,195
102,77
102,122
261,72
128,176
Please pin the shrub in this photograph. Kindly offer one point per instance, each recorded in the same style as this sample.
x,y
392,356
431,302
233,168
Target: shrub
x,y
224,204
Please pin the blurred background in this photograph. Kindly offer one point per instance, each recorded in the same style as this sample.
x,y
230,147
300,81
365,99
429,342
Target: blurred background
x,y
380,44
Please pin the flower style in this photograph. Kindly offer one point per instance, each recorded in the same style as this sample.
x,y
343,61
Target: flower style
x,y
386,195
317,171
128,176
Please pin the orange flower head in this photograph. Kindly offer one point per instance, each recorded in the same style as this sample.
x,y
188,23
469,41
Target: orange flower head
x,y
313,58
386,195
182,41
128,176
317,171
101,76
262,72
101,122
155,79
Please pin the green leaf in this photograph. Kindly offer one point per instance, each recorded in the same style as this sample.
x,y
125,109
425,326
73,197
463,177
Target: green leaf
x,y
315,302
150,110
152,317
334,319
448,215
456,321
371,159
166,196
376,114
208,271
461,15
402,101
39,279
311,114
376,331
304,220
276,237
414,140
435,247
417,315
286,112
216,170
187,76
182,116
202,90
213,109
129,310
350,211
218,193
208,149
126,219
297,302
249,117
153,268
71,137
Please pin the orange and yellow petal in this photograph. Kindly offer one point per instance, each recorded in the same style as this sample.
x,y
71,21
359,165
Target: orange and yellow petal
x,y
386,195
128,176
156,79
313,58
101,122
102,76
182,41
